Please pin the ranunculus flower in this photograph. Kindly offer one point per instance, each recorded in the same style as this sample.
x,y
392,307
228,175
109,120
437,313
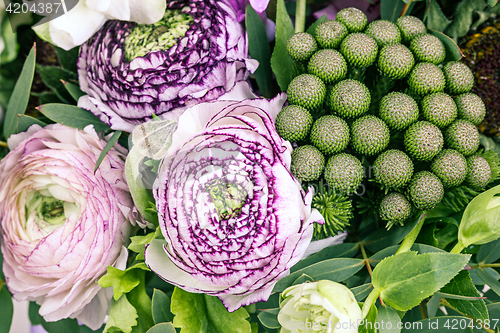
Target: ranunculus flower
x,y
323,306
234,218
61,224
196,53
88,16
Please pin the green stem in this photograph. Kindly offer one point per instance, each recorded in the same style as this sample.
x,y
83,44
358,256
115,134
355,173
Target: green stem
x,y
458,248
407,243
4,144
370,300
484,265
300,16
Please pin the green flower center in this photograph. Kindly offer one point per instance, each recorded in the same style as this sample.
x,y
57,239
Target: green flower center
x,y
162,35
227,197
319,318
46,211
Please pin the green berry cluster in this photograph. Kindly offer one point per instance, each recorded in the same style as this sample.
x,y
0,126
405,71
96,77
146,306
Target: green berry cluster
x,y
419,134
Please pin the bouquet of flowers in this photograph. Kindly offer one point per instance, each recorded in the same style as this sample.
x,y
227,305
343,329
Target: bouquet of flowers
x,y
232,166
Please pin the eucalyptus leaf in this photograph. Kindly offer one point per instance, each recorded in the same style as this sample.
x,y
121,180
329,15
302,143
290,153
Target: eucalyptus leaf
x,y
20,95
53,77
343,250
433,305
361,292
383,238
71,116
161,307
489,252
68,59
162,328
269,318
405,279
477,280
111,142
73,90
302,279
61,326
24,122
389,320
7,309
489,280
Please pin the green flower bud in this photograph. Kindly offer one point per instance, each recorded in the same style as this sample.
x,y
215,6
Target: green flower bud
x,y
307,91
349,99
462,136
328,65
369,135
478,172
301,46
428,48
344,173
293,123
395,61
354,19
307,163
439,109
471,108
426,190
410,27
423,141
360,50
459,77
320,307
398,110
395,209
426,78
330,134
393,169
330,34
384,33
450,166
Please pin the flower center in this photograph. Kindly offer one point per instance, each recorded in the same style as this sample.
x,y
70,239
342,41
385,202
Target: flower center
x,y
46,211
319,320
228,197
162,35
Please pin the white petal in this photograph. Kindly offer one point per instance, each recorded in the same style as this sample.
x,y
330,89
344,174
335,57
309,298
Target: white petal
x,y
316,246
147,11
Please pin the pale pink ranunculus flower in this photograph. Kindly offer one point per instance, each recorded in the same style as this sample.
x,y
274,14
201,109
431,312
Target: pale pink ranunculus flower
x,y
61,224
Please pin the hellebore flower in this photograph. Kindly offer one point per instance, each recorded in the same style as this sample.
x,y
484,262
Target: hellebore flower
x,y
88,16
234,218
196,53
61,224
323,306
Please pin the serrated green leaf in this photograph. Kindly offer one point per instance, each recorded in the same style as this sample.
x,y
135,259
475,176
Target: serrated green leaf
x,y
259,49
20,95
68,59
161,307
489,252
361,292
122,316
405,279
337,270
53,77
122,281
110,144
368,325
72,116
462,285
453,52
436,20
24,122
489,280
282,65
138,243
269,318
441,324
73,90
463,18
382,238
390,319
162,328
312,28
7,310
344,250
203,314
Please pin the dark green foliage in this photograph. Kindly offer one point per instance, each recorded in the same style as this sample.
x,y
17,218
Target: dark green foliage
x,y
335,208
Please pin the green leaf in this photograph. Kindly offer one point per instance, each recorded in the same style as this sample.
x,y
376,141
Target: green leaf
x,y
383,238
11,47
24,122
122,316
390,251
73,90
122,281
433,305
20,96
464,17
337,270
361,292
259,49
71,116
111,142
462,285
7,309
283,66
269,318
477,280
61,326
492,3
161,307
436,20
46,97
138,243
142,303
68,59
162,328
489,252
447,324
312,29
201,313
453,52
389,320
302,279
489,280
53,77
405,279
344,250
33,314
368,325
391,9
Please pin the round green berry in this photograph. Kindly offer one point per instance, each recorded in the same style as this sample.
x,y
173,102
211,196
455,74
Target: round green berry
x,y
393,169
384,33
462,136
428,48
301,46
354,19
360,50
459,77
423,141
349,99
328,65
410,27
398,110
426,78
307,91
344,173
395,209
395,61
369,135
293,123
471,108
450,166
307,163
330,134
478,172
330,34
439,109
426,190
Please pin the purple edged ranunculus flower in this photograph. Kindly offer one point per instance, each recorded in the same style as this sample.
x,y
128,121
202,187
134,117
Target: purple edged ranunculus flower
x,y
196,53
234,218
61,223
